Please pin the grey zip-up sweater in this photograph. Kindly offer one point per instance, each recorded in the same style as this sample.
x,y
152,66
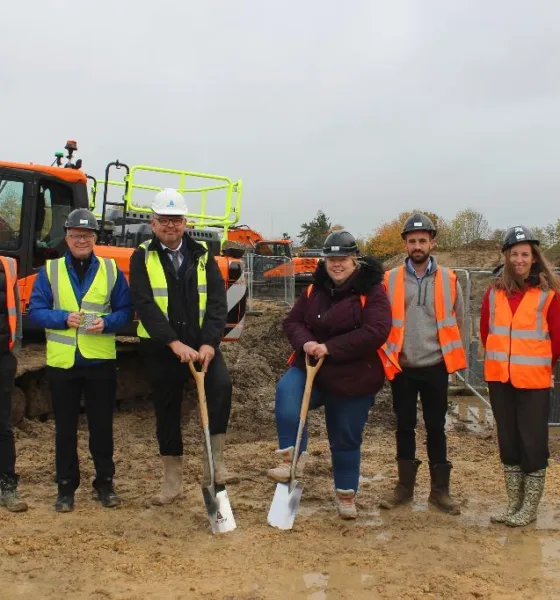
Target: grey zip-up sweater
x,y
421,345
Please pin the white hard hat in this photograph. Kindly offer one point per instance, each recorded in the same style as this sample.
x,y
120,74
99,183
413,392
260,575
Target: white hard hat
x,y
169,202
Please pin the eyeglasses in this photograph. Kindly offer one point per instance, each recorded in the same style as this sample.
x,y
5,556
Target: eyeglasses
x,y
84,237
175,221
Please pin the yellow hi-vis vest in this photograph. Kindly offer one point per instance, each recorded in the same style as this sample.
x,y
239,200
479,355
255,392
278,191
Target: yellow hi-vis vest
x,y
62,343
156,275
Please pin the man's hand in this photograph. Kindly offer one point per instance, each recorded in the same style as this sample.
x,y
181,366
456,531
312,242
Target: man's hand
x,y
308,347
205,354
319,351
97,326
183,352
73,320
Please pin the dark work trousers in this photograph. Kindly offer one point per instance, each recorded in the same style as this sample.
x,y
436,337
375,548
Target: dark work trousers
x,y
8,364
98,384
168,377
522,423
431,383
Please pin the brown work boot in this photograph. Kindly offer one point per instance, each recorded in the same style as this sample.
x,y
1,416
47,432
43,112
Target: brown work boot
x,y
439,494
345,501
9,496
221,473
404,490
172,486
281,473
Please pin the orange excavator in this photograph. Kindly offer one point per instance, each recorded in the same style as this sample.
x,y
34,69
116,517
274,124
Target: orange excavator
x,y
36,199
303,264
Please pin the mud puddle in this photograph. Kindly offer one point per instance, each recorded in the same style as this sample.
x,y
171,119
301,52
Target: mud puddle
x,y
469,413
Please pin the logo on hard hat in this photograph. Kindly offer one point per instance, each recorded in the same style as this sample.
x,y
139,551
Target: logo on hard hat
x,y
335,248
171,204
520,235
417,224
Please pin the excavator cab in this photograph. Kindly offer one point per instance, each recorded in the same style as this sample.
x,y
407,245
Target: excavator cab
x,y
34,203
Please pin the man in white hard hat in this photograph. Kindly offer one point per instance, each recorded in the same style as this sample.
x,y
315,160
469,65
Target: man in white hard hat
x,y
180,297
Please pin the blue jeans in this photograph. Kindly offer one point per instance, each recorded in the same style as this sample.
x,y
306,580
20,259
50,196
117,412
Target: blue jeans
x,y
345,418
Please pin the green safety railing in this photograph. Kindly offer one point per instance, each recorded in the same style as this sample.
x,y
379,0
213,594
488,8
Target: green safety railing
x,y
232,191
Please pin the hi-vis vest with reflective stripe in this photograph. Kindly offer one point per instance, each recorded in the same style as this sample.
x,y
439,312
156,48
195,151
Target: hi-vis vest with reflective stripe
x,y
449,335
62,343
156,275
518,347
10,270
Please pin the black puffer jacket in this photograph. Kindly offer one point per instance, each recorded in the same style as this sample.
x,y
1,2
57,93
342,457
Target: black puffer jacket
x,y
334,316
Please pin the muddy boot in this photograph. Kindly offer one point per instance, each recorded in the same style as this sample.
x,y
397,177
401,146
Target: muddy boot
x,y
532,494
9,496
221,473
345,501
404,490
514,489
65,499
172,486
281,473
439,494
105,493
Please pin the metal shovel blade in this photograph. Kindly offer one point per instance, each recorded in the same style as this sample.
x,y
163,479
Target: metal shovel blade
x,y
218,508
285,505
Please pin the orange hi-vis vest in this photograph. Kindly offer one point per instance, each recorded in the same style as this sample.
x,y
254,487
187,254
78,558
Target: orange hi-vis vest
x,y
449,335
518,347
10,269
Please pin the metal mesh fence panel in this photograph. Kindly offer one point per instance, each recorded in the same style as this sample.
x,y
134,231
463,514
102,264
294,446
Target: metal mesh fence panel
x,y
270,279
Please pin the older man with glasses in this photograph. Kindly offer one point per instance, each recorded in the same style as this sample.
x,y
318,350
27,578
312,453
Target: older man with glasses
x,y
179,295
82,301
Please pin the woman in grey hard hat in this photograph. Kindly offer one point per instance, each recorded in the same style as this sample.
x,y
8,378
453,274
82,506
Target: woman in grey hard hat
x,y
520,331
344,317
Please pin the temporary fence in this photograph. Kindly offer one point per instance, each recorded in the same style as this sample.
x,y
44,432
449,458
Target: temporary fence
x,y
270,279
474,283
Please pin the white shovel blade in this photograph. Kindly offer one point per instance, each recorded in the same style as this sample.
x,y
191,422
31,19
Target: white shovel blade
x,y
219,511
285,505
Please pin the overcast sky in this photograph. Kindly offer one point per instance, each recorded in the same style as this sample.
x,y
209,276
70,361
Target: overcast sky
x,y
363,108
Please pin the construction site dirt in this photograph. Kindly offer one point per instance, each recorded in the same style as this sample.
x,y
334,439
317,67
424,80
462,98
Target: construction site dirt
x,y
139,551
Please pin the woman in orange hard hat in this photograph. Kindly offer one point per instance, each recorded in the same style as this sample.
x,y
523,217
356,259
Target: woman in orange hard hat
x,y
520,330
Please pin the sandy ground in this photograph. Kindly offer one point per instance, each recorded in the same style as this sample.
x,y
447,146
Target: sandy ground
x,y
139,551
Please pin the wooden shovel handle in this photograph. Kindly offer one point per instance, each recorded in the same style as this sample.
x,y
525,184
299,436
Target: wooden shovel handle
x,y
203,406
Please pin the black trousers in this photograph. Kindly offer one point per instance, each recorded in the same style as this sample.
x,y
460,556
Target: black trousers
x,y
431,383
522,423
8,364
168,377
98,384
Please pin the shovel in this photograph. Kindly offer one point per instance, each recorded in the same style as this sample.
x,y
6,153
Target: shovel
x,y
215,496
287,496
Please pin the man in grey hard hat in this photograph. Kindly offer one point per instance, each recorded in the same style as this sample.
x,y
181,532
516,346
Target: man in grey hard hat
x,y
423,348
82,301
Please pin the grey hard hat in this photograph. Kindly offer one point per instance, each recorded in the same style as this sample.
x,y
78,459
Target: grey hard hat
x,y
81,218
418,222
518,235
340,243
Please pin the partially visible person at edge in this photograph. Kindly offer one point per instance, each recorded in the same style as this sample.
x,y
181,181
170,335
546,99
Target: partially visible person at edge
x,y
423,348
329,321
10,341
180,297
520,331
82,301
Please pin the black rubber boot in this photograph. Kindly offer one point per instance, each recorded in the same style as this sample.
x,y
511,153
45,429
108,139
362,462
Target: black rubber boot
x,y
439,494
104,492
65,499
404,490
9,496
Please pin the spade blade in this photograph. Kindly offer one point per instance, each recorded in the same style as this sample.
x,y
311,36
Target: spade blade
x,y
285,505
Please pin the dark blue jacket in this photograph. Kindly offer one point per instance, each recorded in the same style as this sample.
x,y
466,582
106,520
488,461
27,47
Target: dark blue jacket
x,y
42,314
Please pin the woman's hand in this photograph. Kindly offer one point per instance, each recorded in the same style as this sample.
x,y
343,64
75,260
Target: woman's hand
x,y
319,351
308,347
